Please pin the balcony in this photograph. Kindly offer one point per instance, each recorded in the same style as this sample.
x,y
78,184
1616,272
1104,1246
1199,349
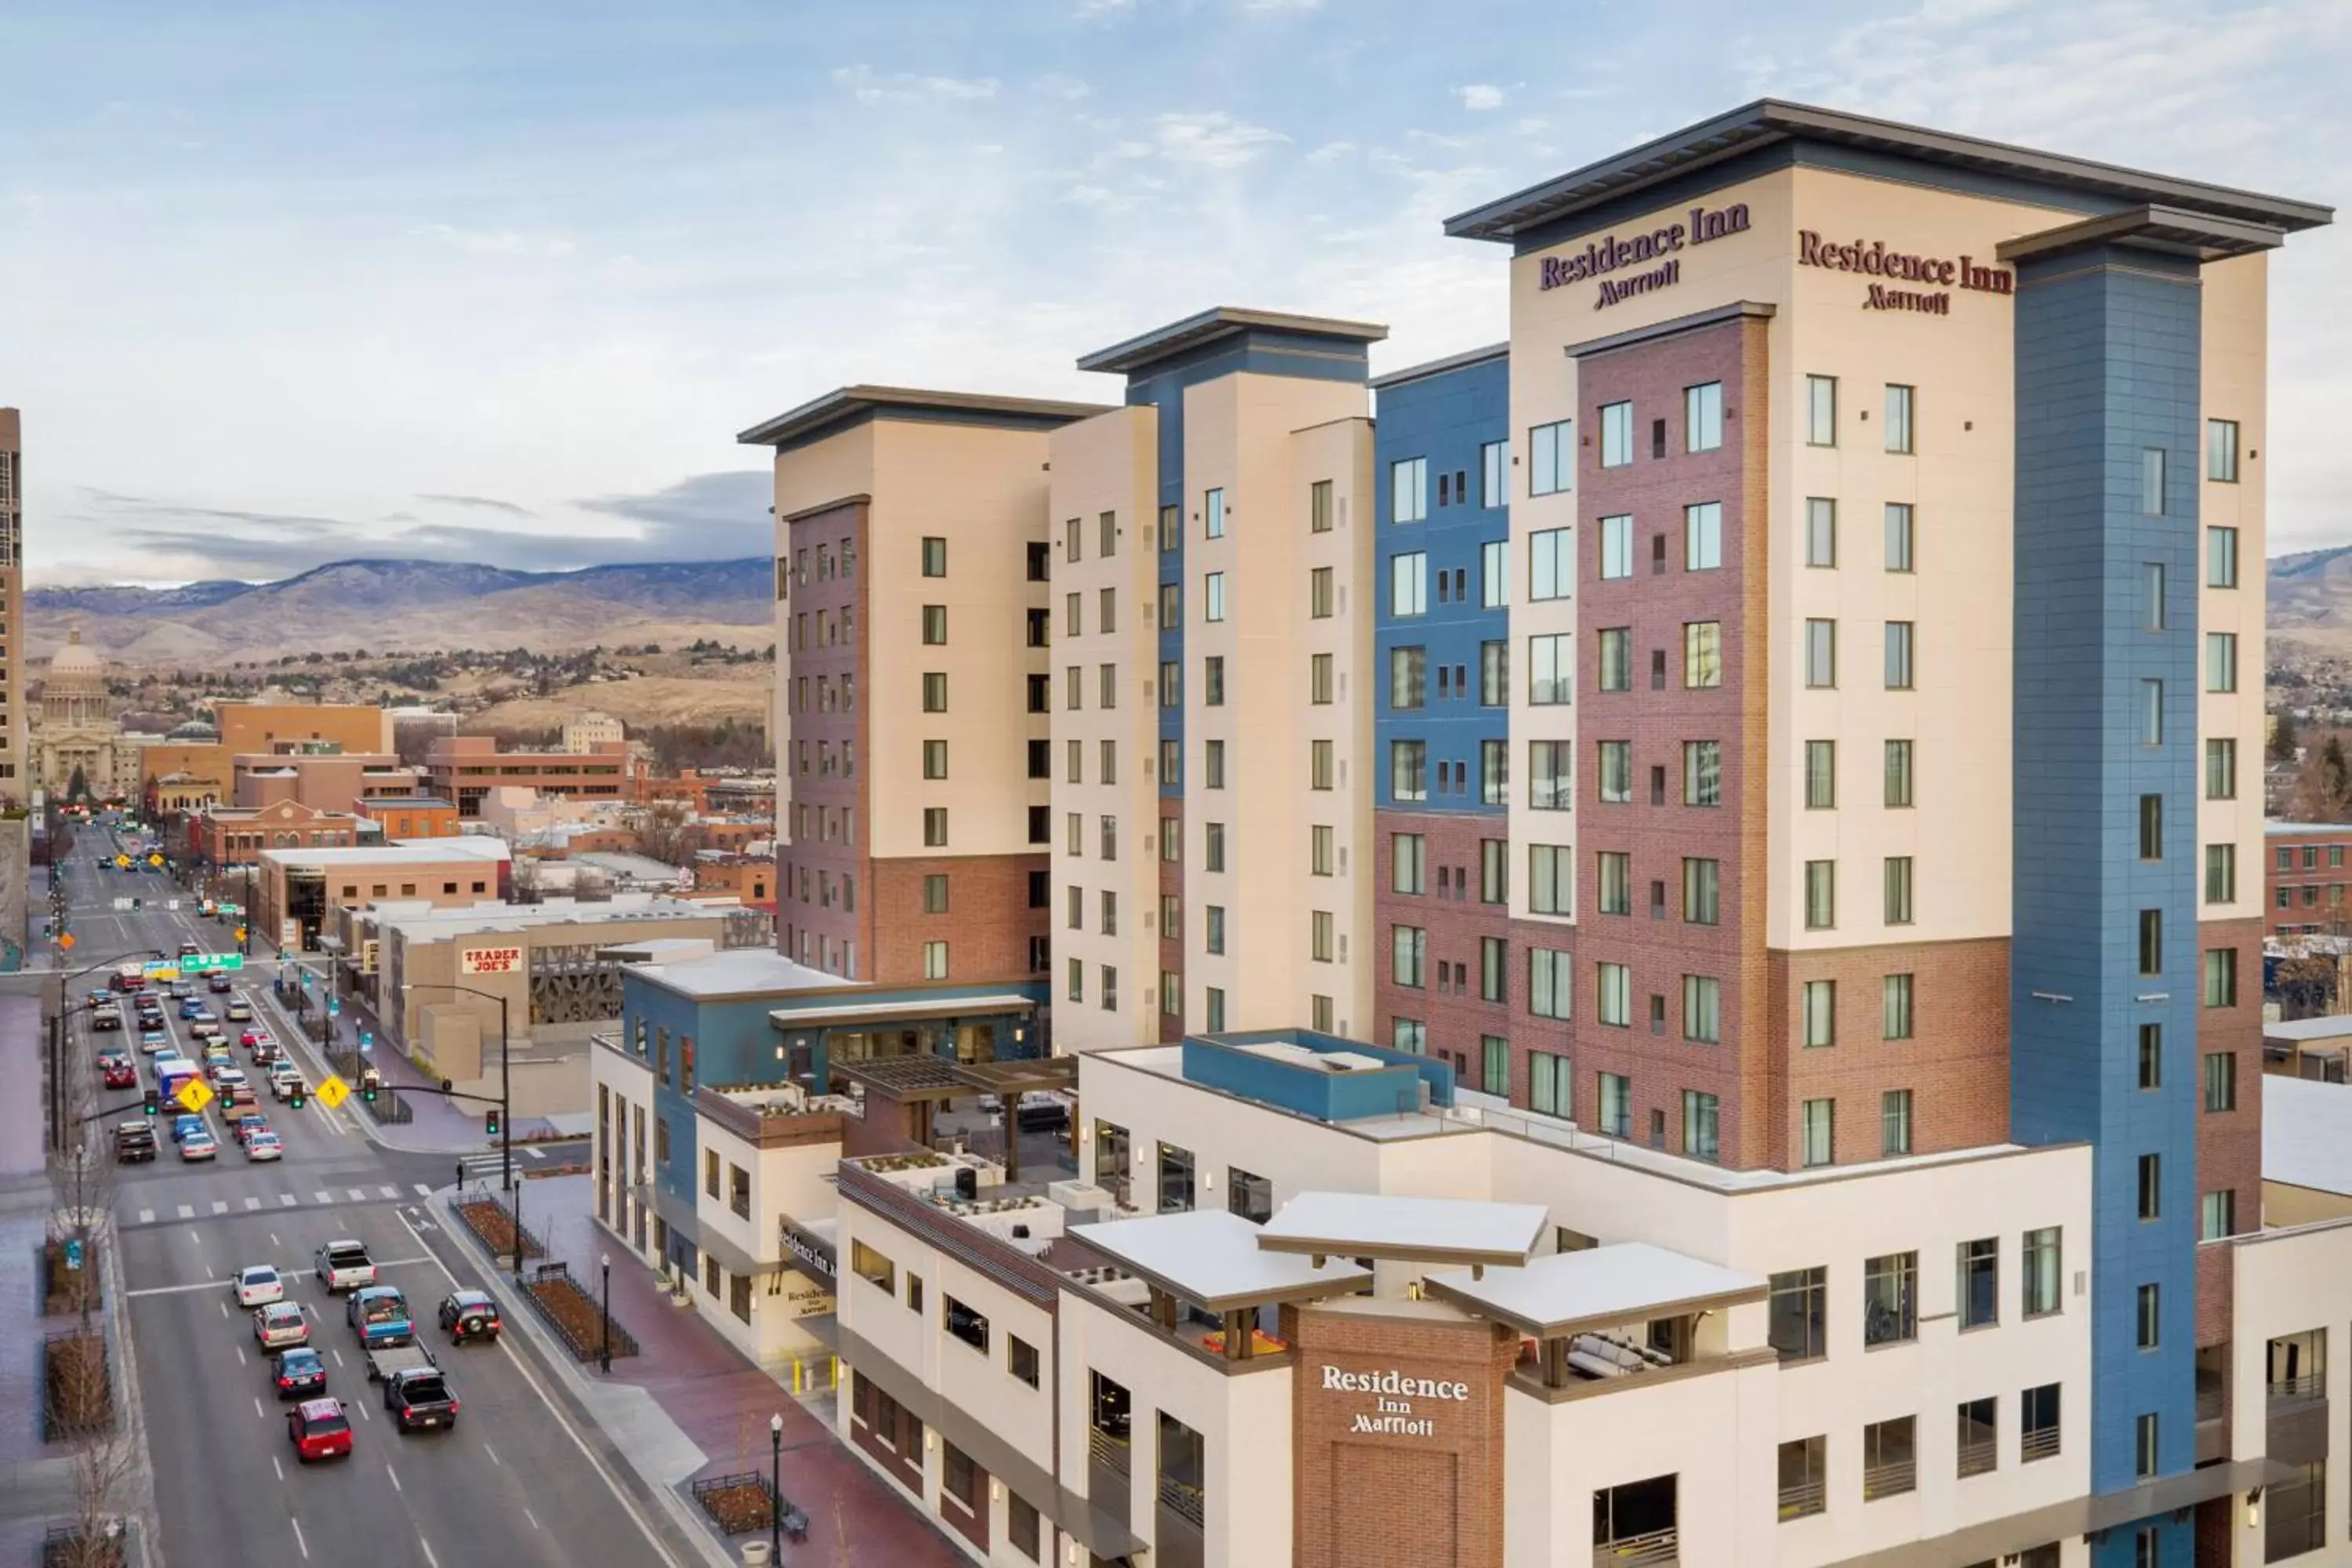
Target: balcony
x,y
1648,1550
1891,1477
2037,1445
1803,1500
1979,1458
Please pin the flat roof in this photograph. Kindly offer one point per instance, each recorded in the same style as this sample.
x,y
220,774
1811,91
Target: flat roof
x,y
496,917
2273,829
2303,1030
742,972
1597,1287
1462,361
1431,1230
397,852
1768,119
847,404
1222,321
1211,1259
930,1007
2304,1141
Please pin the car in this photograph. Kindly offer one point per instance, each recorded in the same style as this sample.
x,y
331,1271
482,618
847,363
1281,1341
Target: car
x,y
218,984
189,1008
287,1084
153,1041
319,1429
419,1399
343,1265
108,1017
135,1142
222,1071
469,1315
264,1146
189,950
296,1371
182,990
98,998
257,1285
119,1074
281,1324
239,1011
240,1093
184,1124
249,1038
379,1313
269,1051
199,1145
246,1125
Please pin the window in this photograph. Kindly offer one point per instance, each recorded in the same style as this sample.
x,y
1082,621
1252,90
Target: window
x,y
2144,1457
1109,833
1494,465
1820,410
1821,654
1408,676
1895,1122
1702,772
1613,999
1551,564
2151,942
1495,1064
935,624
2221,453
935,960
935,557
1898,889
1902,642
1890,1458
1319,679
961,1322
1494,674
1701,1132
1702,654
2150,1316
1616,1105
1321,944
2221,977
1703,536
1980,1283
1616,547
1549,784
1804,1475
1821,1012
935,826
1702,1009
2151,1056
873,1267
1551,459
1616,773
935,759
1248,1194
1899,773
1798,1317
2220,873
1820,895
1821,775
2151,481
2217,1216
1615,659
2221,558
1550,984
935,894
1900,401
1408,948
1703,417
1613,873
1549,1088
1702,891
1409,583
2220,661
1492,983
1979,1437
1319,771
2151,827
1550,888
2037,1423
1320,854
1890,1298
1319,507
1407,491
1213,596
1409,1035
1821,532
1551,670
1819,1132
2151,1186
1409,770
1616,435
2221,1081
1901,538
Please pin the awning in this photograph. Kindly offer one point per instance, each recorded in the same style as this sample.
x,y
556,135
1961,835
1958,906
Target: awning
x,y
788,1019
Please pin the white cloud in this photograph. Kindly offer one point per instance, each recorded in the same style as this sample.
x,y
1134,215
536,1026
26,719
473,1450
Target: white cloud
x,y
869,86
1053,84
1330,151
1213,140
1480,95
495,242
1275,6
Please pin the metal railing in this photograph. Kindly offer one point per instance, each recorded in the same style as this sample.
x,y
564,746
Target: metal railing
x,y
2312,1385
1185,1501
1646,1550
2038,1444
1892,1479
1980,1458
2211,1406
1803,1500
1109,1452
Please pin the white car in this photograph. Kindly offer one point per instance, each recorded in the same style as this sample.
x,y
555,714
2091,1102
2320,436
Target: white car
x,y
258,1286
264,1146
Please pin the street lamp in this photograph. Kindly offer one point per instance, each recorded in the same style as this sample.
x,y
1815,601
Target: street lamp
x,y
604,1360
506,1080
776,1487
58,1040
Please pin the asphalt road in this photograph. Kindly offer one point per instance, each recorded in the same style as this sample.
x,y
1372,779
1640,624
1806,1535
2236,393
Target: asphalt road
x,y
522,1478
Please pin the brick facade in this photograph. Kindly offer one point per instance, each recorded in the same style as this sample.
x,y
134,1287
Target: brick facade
x,y
1449,1002
806,860
1422,1498
987,925
2306,893
1171,934
2230,1142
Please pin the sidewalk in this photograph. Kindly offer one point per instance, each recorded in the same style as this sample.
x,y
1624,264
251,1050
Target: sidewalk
x,y
704,1409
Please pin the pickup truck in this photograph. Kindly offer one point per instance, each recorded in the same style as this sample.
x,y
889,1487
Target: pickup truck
x,y
135,1142
387,1362
420,1399
344,1265
379,1315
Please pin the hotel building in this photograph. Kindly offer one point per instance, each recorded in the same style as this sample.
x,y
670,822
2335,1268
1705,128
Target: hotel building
x,y
16,772
1792,716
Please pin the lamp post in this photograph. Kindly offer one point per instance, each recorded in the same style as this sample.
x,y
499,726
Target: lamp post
x,y
58,1041
776,1487
506,1085
605,1358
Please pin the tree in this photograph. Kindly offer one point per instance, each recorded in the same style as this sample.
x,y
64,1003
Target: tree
x,y
663,831
78,787
2284,740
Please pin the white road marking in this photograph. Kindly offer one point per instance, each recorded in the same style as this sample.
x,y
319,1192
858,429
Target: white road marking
x,y
323,1198
273,1239
364,1411
178,1289
391,1191
146,1217
220,1206
278,1467
339,1358
493,1453
394,1474
357,1196
258,1410
188,1211
431,1561
532,1517
286,1200
251,1205
423,1191
299,1541
206,1286
535,1153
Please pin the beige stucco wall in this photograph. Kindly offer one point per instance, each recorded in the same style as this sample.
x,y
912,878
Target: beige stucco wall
x,y
2285,1282
2234,370
2285,1206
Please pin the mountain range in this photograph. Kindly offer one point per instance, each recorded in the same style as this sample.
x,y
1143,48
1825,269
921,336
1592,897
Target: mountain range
x,y
409,605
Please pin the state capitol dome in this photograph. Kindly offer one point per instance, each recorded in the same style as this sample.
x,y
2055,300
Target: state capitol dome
x,y
77,663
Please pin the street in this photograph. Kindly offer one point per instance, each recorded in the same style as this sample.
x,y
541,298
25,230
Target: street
x,y
520,1478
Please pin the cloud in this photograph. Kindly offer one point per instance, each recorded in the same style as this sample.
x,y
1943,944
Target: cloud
x,y
1053,84
869,86
1213,140
1330,151
495,242
485,503
712,517
1480,96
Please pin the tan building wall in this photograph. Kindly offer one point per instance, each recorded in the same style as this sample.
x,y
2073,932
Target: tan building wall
x,y
15,774
2235,367
445,884
283,726
2285,1206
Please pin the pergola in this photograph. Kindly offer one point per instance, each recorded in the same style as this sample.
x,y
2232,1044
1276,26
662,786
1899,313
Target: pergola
x,y
923,1082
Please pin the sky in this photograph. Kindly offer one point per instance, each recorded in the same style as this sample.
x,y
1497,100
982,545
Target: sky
x,y
282,284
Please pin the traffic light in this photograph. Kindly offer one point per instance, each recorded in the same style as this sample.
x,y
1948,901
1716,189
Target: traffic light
x,y
154,1104
296,1099
367,1091
490,1123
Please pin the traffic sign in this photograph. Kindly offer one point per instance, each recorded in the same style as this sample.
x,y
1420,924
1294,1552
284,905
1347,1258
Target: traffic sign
x,y
194,1095
194,964
154,860
122,862
334,1007
333,1091
73,1253
231,909
367,1040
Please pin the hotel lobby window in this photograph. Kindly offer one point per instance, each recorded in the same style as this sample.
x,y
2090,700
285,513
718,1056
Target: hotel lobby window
x,y
1175,1179
1112,1152
1249,1194
1184,1473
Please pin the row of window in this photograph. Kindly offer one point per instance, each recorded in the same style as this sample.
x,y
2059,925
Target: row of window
x,y
1890,1452
841,562
2287,855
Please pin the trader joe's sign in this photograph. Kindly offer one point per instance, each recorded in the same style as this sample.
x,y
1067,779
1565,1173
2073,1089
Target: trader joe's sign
x,y
491,960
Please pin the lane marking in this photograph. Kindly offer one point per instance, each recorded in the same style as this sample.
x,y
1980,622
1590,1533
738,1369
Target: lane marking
x,y
274,1241
323,1198
223,1307
432,1561
493,1453
286,1200
395,1475
363,1410
358,1196
532,1517
146,1217
220,1207
251,1205
240,1355
423,1191
188,1211
258,1410
299,1541
339,1358
535,1153
390,1191
275,1465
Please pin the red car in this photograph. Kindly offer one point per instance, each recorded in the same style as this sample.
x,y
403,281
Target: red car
x,y
320,1430
118,1073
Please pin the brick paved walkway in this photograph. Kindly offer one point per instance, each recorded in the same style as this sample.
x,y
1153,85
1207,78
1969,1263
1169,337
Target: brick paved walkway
x,y
723,1402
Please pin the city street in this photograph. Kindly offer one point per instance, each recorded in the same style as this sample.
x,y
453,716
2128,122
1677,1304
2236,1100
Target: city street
x,y
520,1478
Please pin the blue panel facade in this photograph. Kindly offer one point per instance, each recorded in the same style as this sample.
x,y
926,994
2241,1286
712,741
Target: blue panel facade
x,y
1445,419
2107,360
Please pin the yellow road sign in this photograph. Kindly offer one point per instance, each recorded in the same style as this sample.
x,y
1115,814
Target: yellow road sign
x,y
194,1095
333,1091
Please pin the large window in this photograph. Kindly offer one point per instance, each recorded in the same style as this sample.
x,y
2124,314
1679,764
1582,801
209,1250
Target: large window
x,y
1804,1477
1821,775
1616,783
2221,558
963,1323
1409,770
1818,1132
1408,584
1820,410
1890,1298
1551,879
1821,654
1551,564
1702,891
1175,1178
1408,677
1895,1122
1819,1008
1821,532
1702,1009
1249,1194
2041,1256
1703,536
1702,772
2220,873
1900,403
1495,773
1616,435
2221,977
1550,786
1494,574
1494,471
1902,537
1701,1128
1798,1317
1407,491
2037,1423
1494,674
1980,1282
1616,547
1820,895
2151,481
1703,417
1408,948
2222,451
2220,661
1613,995
1902,652
1551,670
1550,983
1702,654
1613,882
1613,659
1895,1006
1551,459
1898,889
1616,1104
1890,1458
1550,1091
1408,863
1899,772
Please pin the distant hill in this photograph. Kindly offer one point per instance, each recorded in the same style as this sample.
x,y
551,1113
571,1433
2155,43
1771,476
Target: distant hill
x,y
413,606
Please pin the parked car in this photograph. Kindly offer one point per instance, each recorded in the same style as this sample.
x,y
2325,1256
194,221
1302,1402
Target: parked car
x,y
319,1429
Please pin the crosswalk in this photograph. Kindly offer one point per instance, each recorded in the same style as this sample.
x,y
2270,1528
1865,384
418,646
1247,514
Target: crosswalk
x,y
383,1191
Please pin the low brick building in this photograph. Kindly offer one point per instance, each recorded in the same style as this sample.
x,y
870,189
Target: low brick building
x,y
2304,877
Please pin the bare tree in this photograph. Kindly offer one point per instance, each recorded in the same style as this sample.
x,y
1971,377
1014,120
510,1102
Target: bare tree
x,y
105,1456
664,831
82,1179
528,880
